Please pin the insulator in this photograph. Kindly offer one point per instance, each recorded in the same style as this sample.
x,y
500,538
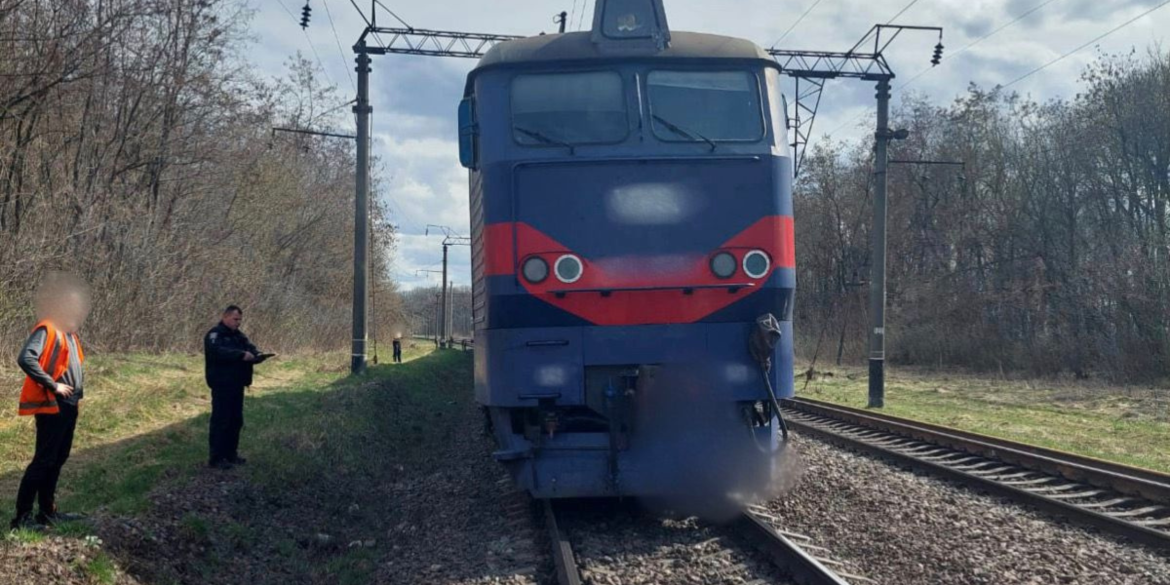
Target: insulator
x,y
306,12
938,51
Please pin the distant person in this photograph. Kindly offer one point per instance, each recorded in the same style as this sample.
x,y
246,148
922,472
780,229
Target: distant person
x,y
228,360
398,350
52,361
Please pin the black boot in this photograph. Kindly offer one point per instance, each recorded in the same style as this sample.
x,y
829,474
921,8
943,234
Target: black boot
x,y
25,521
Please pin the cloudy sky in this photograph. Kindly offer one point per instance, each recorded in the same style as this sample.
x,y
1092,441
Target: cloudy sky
x,y
415,98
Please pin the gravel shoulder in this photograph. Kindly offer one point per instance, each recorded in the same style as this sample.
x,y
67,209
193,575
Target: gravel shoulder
x,y
904,528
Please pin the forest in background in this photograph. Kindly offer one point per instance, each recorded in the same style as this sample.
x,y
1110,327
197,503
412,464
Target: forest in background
x,y
1047,253
136,151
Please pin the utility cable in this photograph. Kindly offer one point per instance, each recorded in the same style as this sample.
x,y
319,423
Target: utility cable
x,y
1095,39
902,11
320,63
396,17
1022,16
1015,20
581,18
798,21
340,51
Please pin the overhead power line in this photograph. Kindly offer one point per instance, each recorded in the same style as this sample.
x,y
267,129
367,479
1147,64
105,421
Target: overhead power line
x,y
320,63
903,11
1094,40
396,17
340,51
1002,27
796,22
1022,16
581,18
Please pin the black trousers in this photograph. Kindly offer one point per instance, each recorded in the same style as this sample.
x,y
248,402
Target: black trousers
x,y
398,355
54,442
227,418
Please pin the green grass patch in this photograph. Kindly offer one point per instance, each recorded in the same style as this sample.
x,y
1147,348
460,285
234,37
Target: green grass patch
x,y
1129,425
102,569
356,567
24,536
195,528
75,529
309,428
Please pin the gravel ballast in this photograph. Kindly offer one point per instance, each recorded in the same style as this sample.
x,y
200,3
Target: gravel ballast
x,y
619,545
904,528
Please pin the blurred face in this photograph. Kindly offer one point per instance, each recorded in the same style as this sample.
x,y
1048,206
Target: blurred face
x,y
232,319
74,310
67,309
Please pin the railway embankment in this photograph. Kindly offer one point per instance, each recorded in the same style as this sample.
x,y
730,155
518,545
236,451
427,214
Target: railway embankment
x,y
384,479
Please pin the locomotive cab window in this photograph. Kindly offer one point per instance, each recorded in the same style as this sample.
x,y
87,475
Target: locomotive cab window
x,y
705,106
565,109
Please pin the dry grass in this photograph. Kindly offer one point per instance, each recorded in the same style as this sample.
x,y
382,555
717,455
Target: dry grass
x,y
1129,424
128,396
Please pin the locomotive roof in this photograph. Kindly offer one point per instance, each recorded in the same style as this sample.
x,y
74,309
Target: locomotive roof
x,y
579,46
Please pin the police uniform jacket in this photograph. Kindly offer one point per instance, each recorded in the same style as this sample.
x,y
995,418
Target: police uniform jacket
x,y
223,353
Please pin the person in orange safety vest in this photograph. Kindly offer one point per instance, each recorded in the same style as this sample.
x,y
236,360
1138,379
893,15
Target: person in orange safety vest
x,y
52,361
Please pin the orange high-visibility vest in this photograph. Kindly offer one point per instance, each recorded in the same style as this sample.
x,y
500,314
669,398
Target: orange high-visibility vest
x,y
54,360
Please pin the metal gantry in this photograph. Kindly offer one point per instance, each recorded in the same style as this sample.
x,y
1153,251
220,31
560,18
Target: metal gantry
x,y
431,43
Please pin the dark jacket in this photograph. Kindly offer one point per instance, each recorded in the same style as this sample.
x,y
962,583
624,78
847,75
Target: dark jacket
x,y
223,357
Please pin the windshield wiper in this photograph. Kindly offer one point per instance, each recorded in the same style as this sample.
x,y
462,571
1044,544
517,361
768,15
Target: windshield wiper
x,y
543,138
690,134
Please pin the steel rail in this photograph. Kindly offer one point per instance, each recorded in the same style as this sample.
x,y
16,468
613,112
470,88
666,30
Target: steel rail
x,y
783,552
564,562
1124,500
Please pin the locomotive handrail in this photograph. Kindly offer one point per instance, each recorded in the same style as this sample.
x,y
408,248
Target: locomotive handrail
x,y
685,288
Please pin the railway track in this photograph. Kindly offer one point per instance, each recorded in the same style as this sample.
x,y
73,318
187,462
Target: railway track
x,y
1126,501
792,554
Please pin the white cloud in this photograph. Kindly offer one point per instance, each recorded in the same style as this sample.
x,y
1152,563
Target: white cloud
x,y
415,98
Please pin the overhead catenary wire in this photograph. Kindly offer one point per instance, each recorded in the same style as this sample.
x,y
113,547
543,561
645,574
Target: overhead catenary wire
x,y
902,11
1015,20
320,63
340,51
796,22
581,18
953,54
396,17
1093,40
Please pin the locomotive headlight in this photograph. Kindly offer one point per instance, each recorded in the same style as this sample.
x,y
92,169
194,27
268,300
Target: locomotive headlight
x,y
568,268
535,270
723,265
756,264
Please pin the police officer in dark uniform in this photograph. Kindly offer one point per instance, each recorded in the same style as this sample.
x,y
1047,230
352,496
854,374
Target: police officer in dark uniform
x,y
228,359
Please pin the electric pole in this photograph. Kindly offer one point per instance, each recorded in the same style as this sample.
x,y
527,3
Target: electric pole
x,y
877,277
361,215
435,318
450,238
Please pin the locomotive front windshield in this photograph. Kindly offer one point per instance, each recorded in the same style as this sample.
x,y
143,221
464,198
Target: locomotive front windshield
x,y
590,107
569,108
705,105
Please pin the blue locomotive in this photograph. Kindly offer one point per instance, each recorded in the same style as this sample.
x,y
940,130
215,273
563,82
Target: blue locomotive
x,y
632,255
